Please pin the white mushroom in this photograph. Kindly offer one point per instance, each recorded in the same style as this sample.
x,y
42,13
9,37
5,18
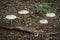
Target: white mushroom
x,y
43,21
41,5
50,15
10,17
23,12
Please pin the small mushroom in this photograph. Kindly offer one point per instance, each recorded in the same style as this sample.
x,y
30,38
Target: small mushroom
x,y
43,21
50,15
10,17
23,12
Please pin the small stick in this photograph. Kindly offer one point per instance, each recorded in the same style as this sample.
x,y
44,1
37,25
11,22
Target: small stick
x,y
31,4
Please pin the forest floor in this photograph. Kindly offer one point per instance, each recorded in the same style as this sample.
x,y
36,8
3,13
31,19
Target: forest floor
x,y
29,23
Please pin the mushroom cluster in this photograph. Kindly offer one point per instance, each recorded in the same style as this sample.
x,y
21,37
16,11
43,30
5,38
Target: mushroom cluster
x,y
45,21
19,12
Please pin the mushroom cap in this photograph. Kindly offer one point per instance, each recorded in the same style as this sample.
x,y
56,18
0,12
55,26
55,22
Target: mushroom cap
x,y
23,12
50,15
10,17
43,21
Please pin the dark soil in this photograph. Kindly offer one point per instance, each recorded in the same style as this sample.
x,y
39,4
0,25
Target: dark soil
x,y
20,35
24,27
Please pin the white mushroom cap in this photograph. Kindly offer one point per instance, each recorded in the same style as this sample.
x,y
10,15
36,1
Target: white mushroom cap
x,y
50,15
23,12
43,21
10,17
41,5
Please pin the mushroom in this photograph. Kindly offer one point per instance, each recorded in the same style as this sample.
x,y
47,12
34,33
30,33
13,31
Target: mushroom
x,y
10,17
23,12
50,15
43,21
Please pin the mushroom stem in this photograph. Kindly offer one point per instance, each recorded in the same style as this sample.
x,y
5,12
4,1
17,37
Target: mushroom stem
x,y
11,23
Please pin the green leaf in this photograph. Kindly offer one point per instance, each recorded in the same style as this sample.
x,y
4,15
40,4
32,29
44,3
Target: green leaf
x,y
45,8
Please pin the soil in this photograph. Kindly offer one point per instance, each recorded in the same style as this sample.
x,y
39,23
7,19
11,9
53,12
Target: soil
x,y
6,34
25,26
